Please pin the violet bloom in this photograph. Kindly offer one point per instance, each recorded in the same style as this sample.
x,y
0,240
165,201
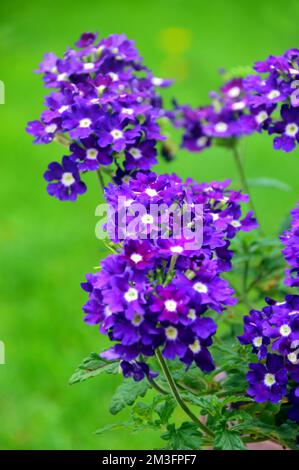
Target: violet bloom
x,y
290,239
254,333
43,133
102,105
288,128
137,370
88,156
141,154
64,180
268,382
171,303
294,401
112,132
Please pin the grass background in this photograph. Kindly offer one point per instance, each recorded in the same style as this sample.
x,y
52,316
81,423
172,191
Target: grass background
x,y
47,246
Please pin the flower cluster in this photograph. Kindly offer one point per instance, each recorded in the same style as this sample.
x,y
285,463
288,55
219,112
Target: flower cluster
x,y
291,251
105,109
267,100
155,291
273,334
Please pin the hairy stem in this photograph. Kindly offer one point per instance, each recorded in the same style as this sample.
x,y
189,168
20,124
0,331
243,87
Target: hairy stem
x,y
178,397
243,180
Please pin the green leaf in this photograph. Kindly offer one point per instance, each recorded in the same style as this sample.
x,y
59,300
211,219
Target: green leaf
x,y
126,394
228,440
114,427
91,366
186,437
269,183
165,409
236,399
209,404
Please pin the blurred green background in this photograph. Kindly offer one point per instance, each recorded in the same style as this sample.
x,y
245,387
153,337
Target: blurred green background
x,y
47,246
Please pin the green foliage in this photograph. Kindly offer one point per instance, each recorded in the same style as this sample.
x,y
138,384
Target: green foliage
x,y
228,440
165,409
92,366
269,183
126,394
186,437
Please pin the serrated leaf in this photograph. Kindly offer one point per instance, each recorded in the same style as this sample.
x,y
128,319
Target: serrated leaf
x,y
126,394
91,366
228,440
165,409
269,183
236,399
186,437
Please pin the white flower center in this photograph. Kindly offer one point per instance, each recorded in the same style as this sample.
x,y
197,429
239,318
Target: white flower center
x,y
131,294
85,122
62,77
115,50
192,314
195,347
291,129
107,311
234,92
116,134
67,179
113,76
63,108
137,319
170,305
136,257
136,153
269,380
171,333
157,81
92,154
147,219
201,141
101,89
128,202
177,249
128,111
200,287
292,357
221,127
151,192
238,105
236,223
285,330
88,66
50,129
261,117
257,341
273,94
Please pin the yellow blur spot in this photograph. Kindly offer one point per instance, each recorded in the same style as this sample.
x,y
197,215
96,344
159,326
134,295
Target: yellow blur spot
x,y
175,41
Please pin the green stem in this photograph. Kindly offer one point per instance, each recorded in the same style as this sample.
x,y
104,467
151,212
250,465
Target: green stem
x,y
243,180
178,397
101,180
157,387
63,140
